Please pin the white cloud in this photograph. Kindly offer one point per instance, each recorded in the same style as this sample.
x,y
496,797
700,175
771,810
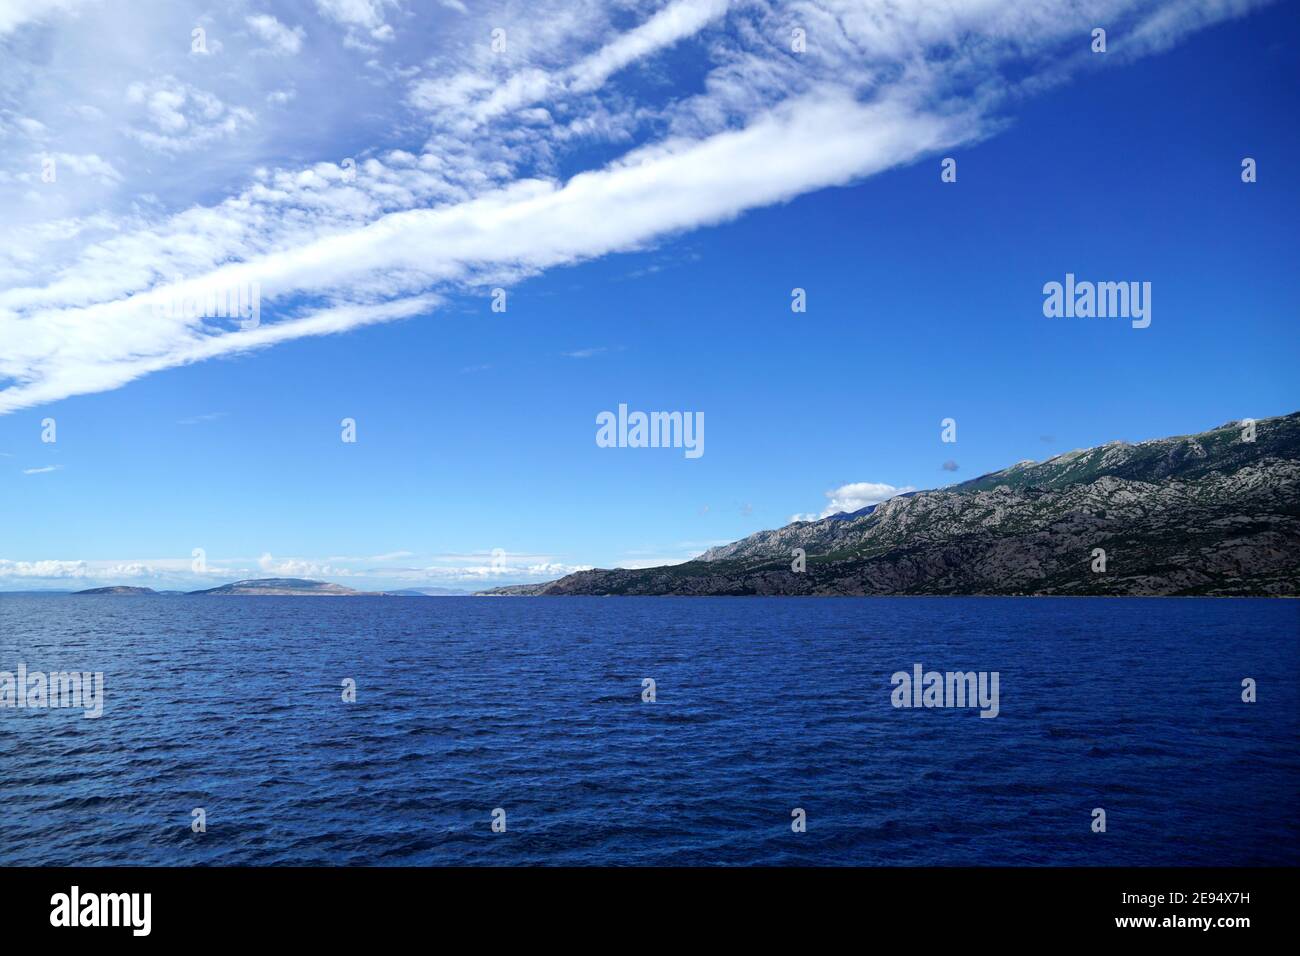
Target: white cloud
x,y
380,572
42,471
83,164
81,267
489,568
16,13
475,96
676,21
364,13
43,569
853,497
279,39
184,117
367,15
72,348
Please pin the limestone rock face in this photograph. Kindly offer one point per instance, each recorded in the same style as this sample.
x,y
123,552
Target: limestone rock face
x,y
1207,514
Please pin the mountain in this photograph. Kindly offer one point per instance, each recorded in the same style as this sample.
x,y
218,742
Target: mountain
x,y
116,590
1205,514
286,586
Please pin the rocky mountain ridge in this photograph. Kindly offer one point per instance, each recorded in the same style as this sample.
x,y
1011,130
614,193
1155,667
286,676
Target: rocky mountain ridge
x,y
1212,513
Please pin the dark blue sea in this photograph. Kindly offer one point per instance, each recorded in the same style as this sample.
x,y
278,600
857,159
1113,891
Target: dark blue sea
x,y
534,706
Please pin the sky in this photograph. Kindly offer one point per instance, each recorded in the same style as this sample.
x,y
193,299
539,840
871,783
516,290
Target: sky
x,y
474,227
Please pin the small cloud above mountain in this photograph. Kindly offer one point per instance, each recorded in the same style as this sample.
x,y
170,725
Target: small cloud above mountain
x,y
853,497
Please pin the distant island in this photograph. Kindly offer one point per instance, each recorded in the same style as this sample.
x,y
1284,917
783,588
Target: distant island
x,y
287,586
428,592
117,590
1216,513
281,587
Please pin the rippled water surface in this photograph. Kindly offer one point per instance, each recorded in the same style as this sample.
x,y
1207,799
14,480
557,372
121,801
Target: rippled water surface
x,y
464,705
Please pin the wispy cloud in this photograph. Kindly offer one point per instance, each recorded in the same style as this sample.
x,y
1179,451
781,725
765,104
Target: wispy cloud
x,y
200,419
376,558
679,553
42,471
404,222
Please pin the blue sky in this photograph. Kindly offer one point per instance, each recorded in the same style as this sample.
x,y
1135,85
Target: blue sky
x,y
648,182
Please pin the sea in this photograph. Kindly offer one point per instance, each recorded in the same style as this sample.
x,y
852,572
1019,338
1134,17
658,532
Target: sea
x,y
392,731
